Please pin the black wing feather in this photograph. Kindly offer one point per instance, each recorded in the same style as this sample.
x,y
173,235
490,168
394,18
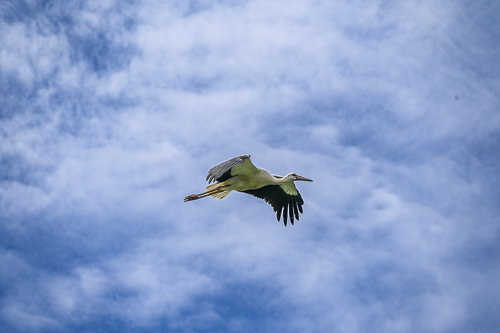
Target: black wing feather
x,y
290,210
296,211
222,172
282,203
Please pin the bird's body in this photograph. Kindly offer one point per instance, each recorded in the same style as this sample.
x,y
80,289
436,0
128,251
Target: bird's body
x,y
239,174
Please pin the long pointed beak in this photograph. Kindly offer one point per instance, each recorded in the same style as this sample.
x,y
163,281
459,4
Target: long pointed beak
x,y
303,179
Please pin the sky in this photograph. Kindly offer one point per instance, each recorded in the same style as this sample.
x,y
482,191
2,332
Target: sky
x,y
111,112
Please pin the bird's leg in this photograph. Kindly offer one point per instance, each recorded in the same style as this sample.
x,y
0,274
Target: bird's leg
x,y
199,196
204,194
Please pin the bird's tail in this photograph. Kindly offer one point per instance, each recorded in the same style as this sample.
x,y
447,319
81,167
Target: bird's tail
x,y
219,194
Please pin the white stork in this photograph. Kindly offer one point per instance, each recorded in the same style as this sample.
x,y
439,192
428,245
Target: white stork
x,y
241,175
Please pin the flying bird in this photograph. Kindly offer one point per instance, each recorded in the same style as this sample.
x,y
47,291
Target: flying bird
x,y
239,174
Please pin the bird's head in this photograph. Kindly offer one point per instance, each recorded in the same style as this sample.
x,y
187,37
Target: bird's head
x,y
293,177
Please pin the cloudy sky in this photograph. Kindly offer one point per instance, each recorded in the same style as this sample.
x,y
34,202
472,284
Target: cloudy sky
x,y
112,111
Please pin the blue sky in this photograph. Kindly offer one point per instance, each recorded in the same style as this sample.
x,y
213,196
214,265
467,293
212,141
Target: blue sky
x,y
112,111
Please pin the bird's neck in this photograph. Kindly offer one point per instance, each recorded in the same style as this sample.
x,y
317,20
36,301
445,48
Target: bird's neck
x,y
285,179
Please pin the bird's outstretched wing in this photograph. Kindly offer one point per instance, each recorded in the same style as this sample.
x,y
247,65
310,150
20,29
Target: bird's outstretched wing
x,y
284,198
237,165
